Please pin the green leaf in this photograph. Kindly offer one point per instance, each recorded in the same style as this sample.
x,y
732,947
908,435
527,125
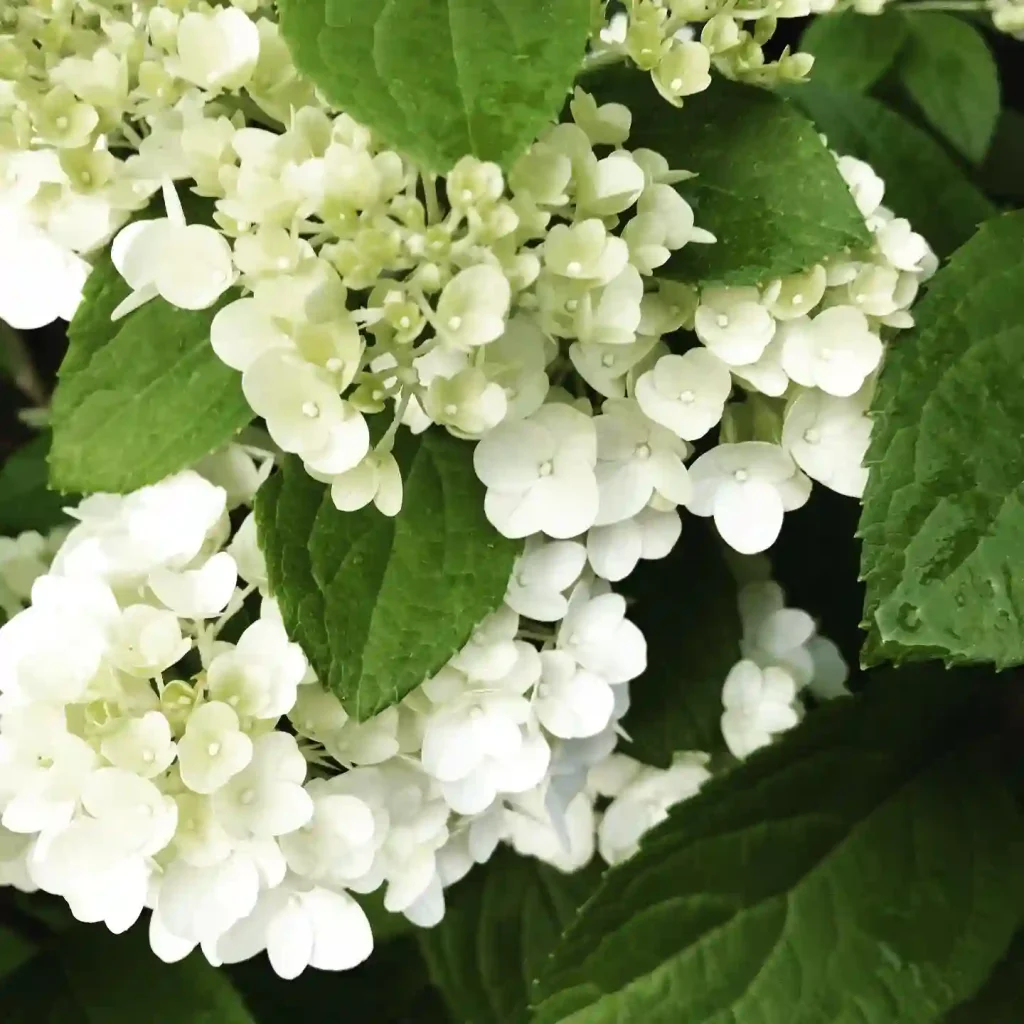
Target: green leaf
x,y
865,869
854,50
441,79
952,76
943,517
1002,174
139,399
500,925
379,604
685,605
90,976
768,188
14,952
922,183
1001,1000
26,501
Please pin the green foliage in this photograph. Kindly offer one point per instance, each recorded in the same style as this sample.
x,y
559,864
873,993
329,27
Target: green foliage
x,y
685,605
89,976
500,926
379,604
852,50
949,72
922,183
865,868
943,519
140,398
1002,174
1001,1000
767,187
440,79
26,501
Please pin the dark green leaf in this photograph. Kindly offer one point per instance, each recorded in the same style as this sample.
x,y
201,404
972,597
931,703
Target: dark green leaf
x,y
14,952
943,518
26,501
952,76
89,976
379,604
1001,1000
441,79
500,926
921,182
768,188
853,50
1002,174
865,869
685,605
139,399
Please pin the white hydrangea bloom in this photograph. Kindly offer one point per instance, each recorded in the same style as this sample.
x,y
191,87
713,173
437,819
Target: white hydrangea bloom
x,y
759,703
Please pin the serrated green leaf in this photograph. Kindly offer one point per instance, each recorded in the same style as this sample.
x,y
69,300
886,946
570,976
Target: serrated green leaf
x,y
1001,999
943,517
26,501
441,79
381,603
922,183
500,925
853,50
865,870
89,976
950,73
139,399
685,605
768,189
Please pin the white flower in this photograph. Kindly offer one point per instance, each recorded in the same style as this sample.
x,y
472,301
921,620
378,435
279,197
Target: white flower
x,y
571,702
468,404
608,186
774,634
746,487
213,749
636,461
43,769
245,550
541,576
567,844
143,745
188,265
866,187
644,801
902,246
596,632
835,350
733,324
539,474
585,252
301,925
615,550
304,412
686,393
242,331
828,438
473,307
675,215
259,677
377,478
683,71
759,703
606,124
611,315
197,593
266,798
766,375
790,297
217,50
492,651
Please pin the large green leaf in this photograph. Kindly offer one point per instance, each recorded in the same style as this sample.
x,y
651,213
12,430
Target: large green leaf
x,y
441,79
952,76
381,603
685,605
140,398
89,976
865,870
26,501
1002,174
852,50
1001,1000
768,189
922,183
943,518
500,926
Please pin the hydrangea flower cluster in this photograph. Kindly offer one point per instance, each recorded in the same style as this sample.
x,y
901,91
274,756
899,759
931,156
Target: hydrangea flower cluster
x,y
150,761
